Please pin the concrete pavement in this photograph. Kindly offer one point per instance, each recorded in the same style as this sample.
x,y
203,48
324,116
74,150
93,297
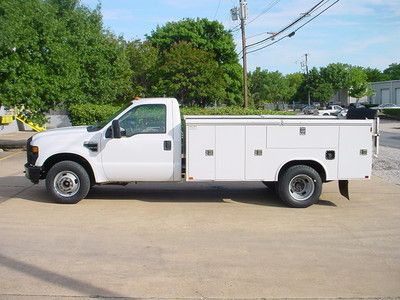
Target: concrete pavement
x,y
197,241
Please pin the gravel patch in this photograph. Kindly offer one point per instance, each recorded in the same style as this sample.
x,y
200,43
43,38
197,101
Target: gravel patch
x,y
387,165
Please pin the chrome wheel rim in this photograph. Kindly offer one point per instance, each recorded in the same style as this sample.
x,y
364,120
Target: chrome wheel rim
x,y
301,187
66,184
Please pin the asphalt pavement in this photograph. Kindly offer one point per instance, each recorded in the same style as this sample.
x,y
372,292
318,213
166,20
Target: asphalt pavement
x,y
390,133
390,139
196,241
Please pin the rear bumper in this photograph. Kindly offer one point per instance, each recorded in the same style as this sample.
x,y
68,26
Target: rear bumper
x,y
33,173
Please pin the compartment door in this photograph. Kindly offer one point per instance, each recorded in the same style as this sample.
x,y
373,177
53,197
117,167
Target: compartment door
x,y
256,142
230,152
355,152
200,163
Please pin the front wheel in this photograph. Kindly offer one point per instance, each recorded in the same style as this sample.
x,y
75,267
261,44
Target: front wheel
x,y
300,186
67,182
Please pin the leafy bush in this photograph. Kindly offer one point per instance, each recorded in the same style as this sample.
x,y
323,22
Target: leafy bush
x,y
88,114
392,112
230,110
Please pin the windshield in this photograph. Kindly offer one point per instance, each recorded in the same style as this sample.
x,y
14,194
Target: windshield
x,y
100,125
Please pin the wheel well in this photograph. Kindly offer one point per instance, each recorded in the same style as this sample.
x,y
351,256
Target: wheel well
x,y
52,160
311,163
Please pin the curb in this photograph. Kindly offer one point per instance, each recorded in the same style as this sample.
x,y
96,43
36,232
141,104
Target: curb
x,y
13,145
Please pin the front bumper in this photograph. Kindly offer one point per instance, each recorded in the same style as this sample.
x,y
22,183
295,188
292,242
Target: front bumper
x,y
33,173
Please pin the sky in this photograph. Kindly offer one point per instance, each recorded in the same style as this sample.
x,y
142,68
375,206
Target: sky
x,y
358,32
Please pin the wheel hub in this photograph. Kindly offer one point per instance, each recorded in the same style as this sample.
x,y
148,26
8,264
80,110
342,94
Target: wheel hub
x,y
66,183
301,187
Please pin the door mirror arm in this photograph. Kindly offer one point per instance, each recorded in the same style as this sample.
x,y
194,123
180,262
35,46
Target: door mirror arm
x,y
116,129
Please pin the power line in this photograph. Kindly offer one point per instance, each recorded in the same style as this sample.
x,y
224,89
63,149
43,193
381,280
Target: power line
x,y
270,44
288,26
269,32
219,5
317,15
294,32
234,29
269,7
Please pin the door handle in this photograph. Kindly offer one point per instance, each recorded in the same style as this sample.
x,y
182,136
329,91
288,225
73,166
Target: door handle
x,y
167,145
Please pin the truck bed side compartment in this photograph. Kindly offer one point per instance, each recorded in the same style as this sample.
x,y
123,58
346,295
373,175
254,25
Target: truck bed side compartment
x,y
355,152
200,147
230,153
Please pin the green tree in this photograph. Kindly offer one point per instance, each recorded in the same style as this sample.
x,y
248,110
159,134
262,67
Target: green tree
x,y
337,74
209,36
343,76
393,72
144,61
265,86
320,89
322,92
191,75
56,53
294,83
375,75
359,86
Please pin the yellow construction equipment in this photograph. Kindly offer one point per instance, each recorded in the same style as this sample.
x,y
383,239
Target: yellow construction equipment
x,y
31,124
5,120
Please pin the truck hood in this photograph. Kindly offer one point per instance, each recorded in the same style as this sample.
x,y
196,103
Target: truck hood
x,y
60,135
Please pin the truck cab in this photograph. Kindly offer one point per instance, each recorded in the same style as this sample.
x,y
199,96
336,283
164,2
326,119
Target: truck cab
x,y
141,142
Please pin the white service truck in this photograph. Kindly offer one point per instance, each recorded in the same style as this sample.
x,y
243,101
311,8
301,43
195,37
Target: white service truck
x,y
143,143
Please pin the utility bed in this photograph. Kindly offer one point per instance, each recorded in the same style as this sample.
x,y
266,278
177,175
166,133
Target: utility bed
x,y
255,148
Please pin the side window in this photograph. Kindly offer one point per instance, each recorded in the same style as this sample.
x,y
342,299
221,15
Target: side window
x,y
144,119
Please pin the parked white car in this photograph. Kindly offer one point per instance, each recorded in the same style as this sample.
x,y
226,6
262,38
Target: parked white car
x,y
331,110
381,107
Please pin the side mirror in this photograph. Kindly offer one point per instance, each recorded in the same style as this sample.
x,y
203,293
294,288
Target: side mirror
x,y
116,129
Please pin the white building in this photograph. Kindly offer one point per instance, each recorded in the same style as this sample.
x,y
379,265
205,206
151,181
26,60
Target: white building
x,y
385,92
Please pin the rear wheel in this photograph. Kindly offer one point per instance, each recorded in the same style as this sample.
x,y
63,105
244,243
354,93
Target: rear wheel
x,y
67,182
300,186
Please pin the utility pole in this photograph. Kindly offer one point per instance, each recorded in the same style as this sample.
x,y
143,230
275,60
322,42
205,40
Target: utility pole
x,y
243,17
308,81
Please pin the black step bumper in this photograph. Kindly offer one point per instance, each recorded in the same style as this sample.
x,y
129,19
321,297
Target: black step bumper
x,y
33,173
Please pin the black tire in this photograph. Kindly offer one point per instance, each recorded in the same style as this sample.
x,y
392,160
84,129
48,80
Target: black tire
x,y
67,182
271,185
304,190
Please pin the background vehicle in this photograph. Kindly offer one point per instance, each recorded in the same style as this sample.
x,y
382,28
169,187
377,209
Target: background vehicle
x,y
310,110
356,105
142,142
381,107
331,110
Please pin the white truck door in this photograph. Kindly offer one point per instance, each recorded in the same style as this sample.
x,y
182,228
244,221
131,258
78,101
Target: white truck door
x,y
145,151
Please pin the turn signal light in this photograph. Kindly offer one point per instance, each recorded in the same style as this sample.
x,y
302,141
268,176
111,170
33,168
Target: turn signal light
x,y
35,149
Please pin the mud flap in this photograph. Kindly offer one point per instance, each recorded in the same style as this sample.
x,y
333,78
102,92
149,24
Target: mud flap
x,y
344,188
